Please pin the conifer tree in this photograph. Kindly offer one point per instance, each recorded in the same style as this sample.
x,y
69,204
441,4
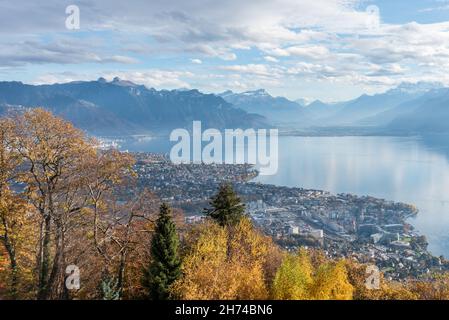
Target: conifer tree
x,y
165,266
227,208
108,288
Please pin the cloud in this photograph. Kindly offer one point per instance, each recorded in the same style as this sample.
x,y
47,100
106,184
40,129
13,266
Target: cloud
x,y
259,42
437,8
161,79
271,59
312,52
254,69
154,78
222,26
63,51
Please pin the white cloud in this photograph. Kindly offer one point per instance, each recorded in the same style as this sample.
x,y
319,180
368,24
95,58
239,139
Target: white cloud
x,y
254,69
62,51
312,52
315,40
156,78
271,59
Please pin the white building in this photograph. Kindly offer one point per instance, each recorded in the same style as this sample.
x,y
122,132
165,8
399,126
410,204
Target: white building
x,y
293,230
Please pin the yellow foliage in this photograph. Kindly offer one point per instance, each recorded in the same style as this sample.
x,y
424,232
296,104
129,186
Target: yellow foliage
x,y
331,283
17,229
223,263
436,287
294,278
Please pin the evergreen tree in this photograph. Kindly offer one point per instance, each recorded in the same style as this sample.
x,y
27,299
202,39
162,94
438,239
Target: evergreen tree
x,y
227,208
108,288
165,266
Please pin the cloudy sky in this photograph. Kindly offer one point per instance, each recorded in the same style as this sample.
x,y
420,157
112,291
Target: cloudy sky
x,y
327,49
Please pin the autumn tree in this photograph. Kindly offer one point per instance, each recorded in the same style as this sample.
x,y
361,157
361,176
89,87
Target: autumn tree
x,y
294,277
16,221
131,230
226,206
432,287
9,161
105,172
16,234
165,266
331,282
440,288
224,263
124,232
81,199
53,152
388,290
108,178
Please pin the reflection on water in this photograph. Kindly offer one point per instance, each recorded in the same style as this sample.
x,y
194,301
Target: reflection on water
x,y
411,170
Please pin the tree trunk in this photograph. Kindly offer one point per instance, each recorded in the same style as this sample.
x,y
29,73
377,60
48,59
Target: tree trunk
x,y
121,274
55,284
44,258
12,264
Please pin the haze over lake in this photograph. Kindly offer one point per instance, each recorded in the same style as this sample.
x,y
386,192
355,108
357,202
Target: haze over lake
x,y
406,169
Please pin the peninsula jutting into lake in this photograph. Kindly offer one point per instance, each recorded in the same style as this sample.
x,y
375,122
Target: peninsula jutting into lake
x,y
226,151
365,228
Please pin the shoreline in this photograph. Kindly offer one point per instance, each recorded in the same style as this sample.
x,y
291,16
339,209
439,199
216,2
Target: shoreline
x,y
344,225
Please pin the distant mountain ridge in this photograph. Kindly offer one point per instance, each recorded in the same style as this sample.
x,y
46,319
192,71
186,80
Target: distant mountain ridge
x,y
276,109
122,107
359,110
427,114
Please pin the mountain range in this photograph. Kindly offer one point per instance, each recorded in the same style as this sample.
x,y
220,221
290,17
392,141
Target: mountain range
x,y
277,109
120,107
410,108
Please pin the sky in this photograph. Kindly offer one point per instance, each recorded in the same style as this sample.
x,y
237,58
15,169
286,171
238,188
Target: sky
x,y
331,50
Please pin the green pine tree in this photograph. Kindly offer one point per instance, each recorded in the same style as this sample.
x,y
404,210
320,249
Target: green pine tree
x,y
165,266
227,208
108,289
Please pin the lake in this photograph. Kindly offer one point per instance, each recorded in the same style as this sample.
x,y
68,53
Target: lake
x,y
406,169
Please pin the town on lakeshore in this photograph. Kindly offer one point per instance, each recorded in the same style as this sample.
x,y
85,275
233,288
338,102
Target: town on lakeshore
x,y
363,228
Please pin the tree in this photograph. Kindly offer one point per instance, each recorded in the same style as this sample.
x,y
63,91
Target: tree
x,y
108,288
16,233
106,170
165,267
434,286
15,220
72,203
331,283
389,290
294,278
227,208
224,263
53,152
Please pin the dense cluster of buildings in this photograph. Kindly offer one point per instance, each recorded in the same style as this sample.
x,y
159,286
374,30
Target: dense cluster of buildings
x,y
366,229
186,185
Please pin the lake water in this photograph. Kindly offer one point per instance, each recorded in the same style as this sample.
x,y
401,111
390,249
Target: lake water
x,y
405,169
